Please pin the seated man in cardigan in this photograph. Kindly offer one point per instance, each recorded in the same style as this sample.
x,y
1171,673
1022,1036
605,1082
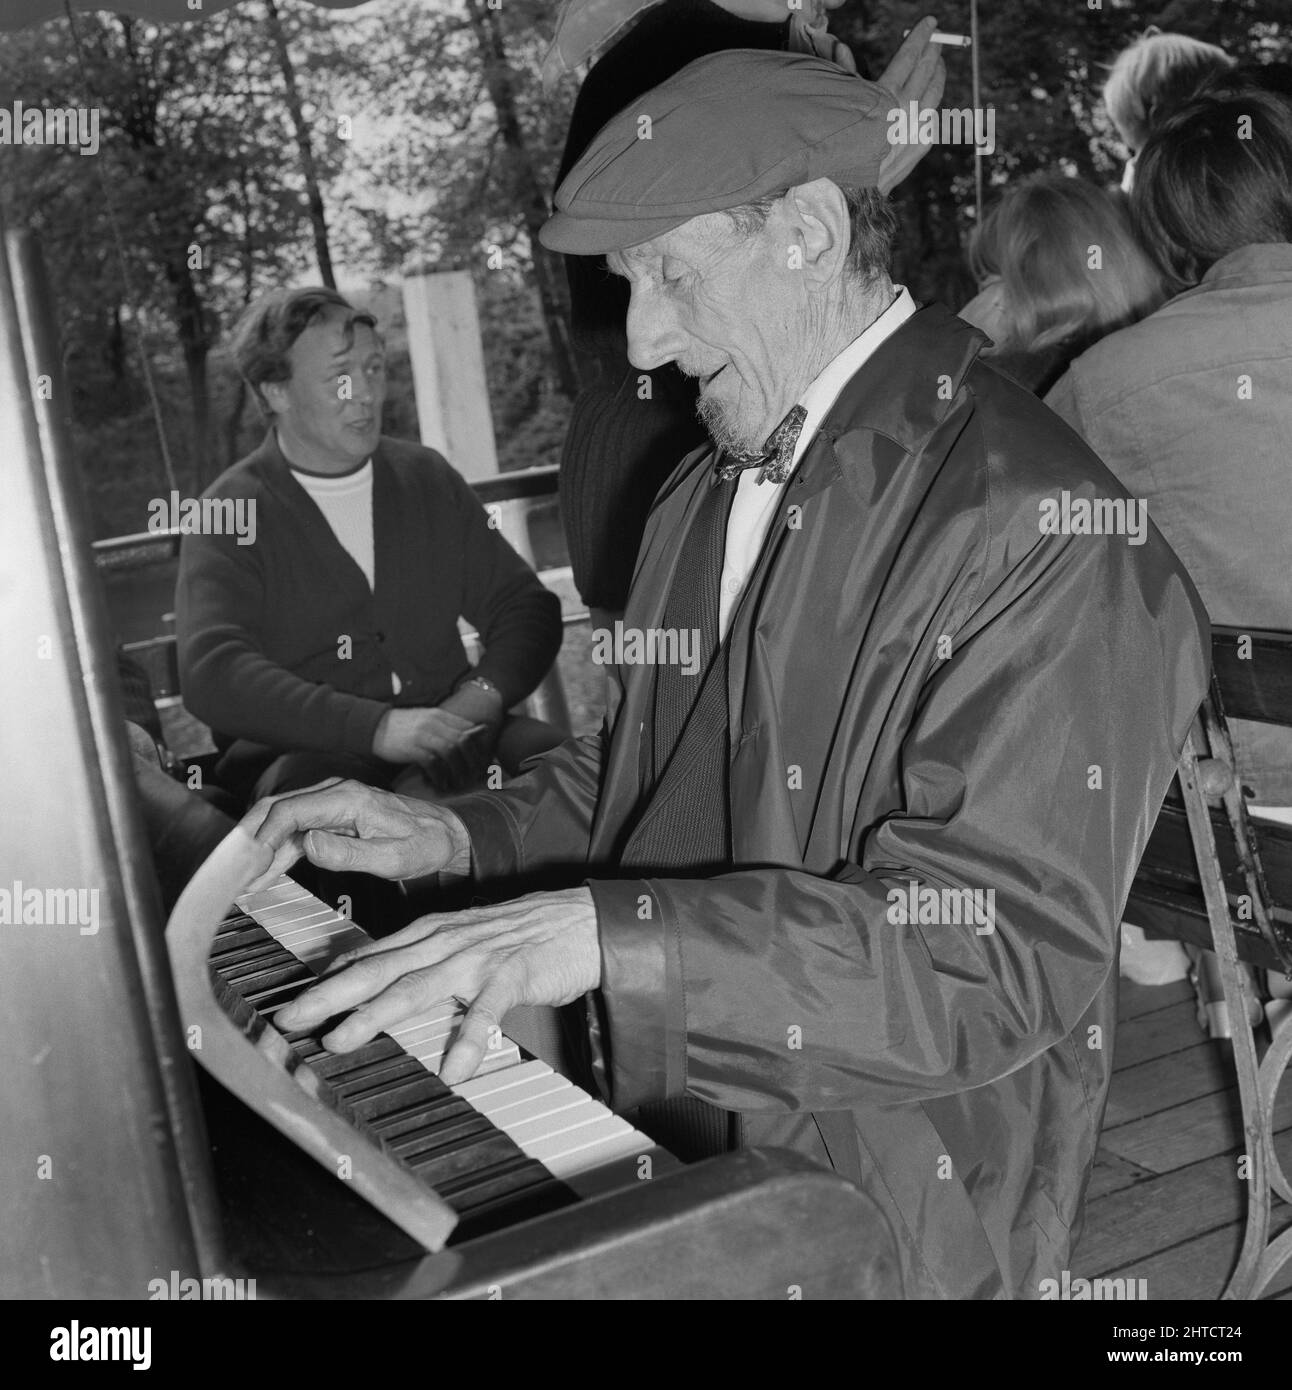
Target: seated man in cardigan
x,y
329,646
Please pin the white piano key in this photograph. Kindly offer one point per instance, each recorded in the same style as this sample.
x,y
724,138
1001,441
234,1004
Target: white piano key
x,y
563,1123
597,1131
448,1012
283,889
478,1086
544,1096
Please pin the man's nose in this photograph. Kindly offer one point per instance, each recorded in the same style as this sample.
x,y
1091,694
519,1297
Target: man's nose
x,y
653,336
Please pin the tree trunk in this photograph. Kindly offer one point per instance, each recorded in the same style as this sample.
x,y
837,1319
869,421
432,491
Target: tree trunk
x,y
527,189
322,251
191,318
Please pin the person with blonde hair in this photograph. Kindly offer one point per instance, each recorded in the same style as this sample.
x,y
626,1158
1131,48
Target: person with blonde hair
x,y
1070,272
1155,76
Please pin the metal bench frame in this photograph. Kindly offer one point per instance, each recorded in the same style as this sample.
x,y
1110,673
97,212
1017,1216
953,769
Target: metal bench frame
x,y
1207,774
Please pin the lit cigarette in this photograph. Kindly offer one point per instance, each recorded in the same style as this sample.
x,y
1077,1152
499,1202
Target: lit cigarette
x,y
948,40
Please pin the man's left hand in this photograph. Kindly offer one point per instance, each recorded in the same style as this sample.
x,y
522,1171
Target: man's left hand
x,y
487,712
540,949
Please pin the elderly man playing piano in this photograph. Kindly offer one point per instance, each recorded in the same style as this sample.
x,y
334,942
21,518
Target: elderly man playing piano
x,y
851,882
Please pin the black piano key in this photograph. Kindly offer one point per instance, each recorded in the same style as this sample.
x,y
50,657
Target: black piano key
x,y
375,1080
450,1134
490,1184
334,1065
232,946
483,1184
510,1209
413,1117
244,975
374,1108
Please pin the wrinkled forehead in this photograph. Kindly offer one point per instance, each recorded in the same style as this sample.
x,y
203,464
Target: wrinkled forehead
x,y
709,232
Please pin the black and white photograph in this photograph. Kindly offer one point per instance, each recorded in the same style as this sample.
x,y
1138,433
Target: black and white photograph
x,y
647,657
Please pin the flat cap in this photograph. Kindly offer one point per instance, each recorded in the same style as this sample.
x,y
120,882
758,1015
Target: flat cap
x,y
729,128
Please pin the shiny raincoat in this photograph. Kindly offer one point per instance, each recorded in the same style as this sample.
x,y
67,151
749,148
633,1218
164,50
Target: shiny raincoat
x,y
926,688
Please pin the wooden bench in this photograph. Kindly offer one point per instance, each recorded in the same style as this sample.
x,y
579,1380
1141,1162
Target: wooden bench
x,y
1215,876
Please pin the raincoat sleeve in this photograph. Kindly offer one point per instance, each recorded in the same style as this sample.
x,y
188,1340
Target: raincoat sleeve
x,y
1032,771
541,818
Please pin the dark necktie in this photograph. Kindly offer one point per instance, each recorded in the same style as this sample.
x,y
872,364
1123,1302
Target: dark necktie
x,y
685,827
684,823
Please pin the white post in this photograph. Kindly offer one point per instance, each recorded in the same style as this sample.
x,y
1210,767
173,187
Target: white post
x,y
448,371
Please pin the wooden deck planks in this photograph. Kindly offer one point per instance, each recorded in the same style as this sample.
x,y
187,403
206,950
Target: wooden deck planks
x,y
1160,1212
1165,1202
1170,1139
1198,1268
1164,1082
1156,1034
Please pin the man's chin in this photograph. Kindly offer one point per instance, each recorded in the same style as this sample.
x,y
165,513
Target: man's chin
x,y
727,433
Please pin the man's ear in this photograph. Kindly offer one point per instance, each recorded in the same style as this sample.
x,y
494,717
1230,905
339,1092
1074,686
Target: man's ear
x,y
274,395
820,215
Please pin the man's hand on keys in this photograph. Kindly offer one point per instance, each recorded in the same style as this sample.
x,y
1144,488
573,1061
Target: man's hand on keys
x,y
539,949
347,826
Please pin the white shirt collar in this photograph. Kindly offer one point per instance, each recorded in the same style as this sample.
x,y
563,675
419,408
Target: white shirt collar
x,y
835,375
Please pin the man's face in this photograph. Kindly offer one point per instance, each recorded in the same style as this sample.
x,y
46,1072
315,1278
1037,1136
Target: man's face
x,y
330,407
728,309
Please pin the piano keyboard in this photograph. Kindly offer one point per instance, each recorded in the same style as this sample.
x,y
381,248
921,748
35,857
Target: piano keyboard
x,y
516,1131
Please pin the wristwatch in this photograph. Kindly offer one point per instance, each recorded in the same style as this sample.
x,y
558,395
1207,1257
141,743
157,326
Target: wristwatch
x,y
487,686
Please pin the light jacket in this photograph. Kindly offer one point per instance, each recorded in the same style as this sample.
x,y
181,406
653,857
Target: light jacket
x,y
925,689
1191,408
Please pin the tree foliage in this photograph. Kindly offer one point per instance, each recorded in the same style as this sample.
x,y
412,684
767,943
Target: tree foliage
x,y
432,144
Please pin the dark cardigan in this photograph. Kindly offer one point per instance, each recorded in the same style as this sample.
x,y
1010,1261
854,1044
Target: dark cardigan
x,y
283,642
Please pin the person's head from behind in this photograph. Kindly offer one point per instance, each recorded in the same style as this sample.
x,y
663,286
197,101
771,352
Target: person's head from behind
x,y
316,365
754,237
1217,176
1155,76
984,247
1071,268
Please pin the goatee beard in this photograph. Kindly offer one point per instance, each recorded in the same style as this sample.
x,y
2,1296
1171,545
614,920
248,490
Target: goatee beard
x,y
721,429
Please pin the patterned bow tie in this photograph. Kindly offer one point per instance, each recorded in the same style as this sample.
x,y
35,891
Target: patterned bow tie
x,y
778,453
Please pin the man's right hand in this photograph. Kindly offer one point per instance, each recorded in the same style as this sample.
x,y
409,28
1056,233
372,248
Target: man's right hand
x,y
436,740
348,826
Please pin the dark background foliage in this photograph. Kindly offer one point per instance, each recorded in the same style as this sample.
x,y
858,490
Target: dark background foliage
x,y
277,142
